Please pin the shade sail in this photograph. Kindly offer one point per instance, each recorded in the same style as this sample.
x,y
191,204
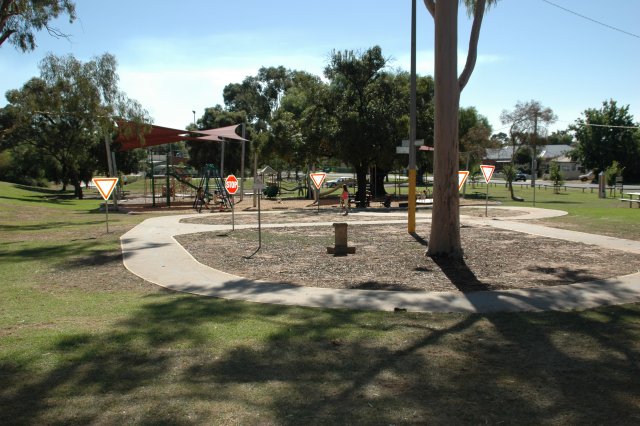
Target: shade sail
x,y
129,135
228,132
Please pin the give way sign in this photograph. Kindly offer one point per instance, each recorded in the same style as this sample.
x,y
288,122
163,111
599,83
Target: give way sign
x,y
318,179
487,172
231,184
105,186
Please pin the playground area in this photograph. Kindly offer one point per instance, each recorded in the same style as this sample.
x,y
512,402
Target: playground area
x,y
387,258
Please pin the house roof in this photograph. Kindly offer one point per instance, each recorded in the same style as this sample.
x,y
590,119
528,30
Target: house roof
x,y
550,152
545,152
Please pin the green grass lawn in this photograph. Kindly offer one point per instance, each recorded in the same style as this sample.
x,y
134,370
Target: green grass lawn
x,y
84,341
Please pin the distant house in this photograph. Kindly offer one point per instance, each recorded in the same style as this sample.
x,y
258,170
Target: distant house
x,y
559,153
498,157
546,153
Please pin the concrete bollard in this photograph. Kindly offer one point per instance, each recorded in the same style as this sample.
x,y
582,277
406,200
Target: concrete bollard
x,y
340,246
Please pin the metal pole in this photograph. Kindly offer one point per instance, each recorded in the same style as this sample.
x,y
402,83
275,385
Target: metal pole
x,y
255,171
153,181
106,206
233,212
222,159
534,163
411,227
242,164
166,175
486,202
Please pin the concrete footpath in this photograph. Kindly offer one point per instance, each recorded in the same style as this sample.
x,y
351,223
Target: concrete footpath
x,y
150,251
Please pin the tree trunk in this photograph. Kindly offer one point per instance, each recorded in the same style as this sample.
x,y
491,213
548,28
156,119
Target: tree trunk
x,y
77,189
420,181
378,178
445,226
361,177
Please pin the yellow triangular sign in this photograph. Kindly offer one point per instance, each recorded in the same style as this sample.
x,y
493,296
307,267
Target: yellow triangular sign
x,y
462,178
105,186
318,179
487,171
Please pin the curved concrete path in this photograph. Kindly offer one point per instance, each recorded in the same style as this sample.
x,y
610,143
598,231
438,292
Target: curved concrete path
x,y
150,251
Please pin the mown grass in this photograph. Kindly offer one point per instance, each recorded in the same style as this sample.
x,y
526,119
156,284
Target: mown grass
x,y
84,341
586,212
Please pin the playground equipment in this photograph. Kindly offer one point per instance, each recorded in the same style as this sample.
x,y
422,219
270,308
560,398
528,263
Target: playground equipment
x,y
208,179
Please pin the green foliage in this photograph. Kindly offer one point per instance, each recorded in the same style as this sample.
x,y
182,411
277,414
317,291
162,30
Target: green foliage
x,y
271,191
202,153
509,171
474,134
20,20
605,135
367,107
612,172
555,175
62,117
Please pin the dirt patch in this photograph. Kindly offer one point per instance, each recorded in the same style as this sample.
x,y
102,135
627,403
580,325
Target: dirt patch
x,y
388,258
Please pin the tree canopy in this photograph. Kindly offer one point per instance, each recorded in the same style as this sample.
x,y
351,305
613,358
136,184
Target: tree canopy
x,y
21,19
65,114
605,135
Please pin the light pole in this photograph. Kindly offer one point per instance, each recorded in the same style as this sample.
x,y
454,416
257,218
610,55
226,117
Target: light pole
x,y
194,118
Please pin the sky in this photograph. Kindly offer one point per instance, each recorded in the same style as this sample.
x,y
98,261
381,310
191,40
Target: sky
x,y
176,57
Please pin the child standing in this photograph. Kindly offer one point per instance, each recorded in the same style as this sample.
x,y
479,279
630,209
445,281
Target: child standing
x,y
344,200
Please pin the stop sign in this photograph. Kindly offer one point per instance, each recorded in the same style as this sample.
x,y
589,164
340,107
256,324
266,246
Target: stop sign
x,y
231,184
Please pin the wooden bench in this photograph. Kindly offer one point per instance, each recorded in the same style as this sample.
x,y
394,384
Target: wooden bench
x,y
631,201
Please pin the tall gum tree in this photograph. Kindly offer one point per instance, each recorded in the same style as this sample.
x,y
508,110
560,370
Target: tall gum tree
x,y
444,240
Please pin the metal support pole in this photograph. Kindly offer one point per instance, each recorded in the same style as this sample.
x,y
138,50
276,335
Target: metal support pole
x,y
242,164
166,174
534,162
411,227
222,159
255,172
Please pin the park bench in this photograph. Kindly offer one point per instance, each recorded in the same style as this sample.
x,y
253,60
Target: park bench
x,y
631,201
630,198
353,201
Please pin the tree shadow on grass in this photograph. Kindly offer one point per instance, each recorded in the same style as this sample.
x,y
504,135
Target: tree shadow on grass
x,y
184,359
41,226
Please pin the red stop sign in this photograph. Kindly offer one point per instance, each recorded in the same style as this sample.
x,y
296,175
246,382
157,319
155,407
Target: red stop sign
x,y
231,184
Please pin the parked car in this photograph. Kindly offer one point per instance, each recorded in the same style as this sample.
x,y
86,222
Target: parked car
x,y
520,176
587,177
339,182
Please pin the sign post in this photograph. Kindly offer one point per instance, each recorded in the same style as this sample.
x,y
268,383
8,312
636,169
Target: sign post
x,y
231,185
258,186
105,187
487,172
318,179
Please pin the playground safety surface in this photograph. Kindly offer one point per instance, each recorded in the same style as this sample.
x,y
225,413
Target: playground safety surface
x,y
503,269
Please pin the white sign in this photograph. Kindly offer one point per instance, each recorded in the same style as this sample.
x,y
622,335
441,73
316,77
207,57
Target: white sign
x,y
402,149
258,185
462,178
487,172
105,186
407,142
318,179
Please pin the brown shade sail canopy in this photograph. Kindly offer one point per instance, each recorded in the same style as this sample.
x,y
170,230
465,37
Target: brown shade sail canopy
x,y
129,137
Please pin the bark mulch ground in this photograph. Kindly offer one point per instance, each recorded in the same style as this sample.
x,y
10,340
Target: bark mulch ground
x,y
388,258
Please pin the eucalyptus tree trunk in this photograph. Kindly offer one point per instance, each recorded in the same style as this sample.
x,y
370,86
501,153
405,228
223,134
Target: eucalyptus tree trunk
x,y
444,239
